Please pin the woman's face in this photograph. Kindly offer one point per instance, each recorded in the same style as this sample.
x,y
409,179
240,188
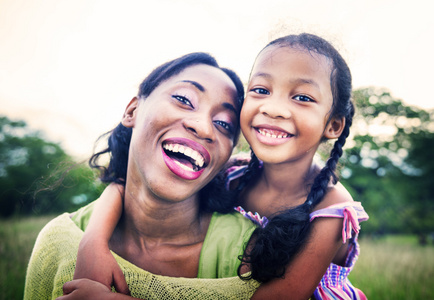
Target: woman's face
x,y
183,133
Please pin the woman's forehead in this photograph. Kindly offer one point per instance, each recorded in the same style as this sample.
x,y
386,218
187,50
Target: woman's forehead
x,y
208,79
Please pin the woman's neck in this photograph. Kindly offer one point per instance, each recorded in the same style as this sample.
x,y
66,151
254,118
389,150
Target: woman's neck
x,y
149,217
162,237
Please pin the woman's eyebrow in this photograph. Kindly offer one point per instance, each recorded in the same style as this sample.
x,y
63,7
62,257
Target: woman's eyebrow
x,y
230,107
201,88
196,84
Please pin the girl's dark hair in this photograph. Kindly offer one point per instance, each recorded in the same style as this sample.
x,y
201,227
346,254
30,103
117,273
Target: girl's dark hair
x,y
119,138
276,245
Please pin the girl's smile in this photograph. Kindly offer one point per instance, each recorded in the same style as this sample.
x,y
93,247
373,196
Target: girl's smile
x,y
287,104
271,135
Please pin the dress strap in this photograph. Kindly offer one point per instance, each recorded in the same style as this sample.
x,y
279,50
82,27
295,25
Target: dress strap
x,y
233,173
351,212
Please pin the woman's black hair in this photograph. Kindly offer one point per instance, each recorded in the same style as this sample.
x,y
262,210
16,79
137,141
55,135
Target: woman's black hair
x,y
213,195
276,245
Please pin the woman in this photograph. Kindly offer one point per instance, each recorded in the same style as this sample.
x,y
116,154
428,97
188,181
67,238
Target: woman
x,y
174,138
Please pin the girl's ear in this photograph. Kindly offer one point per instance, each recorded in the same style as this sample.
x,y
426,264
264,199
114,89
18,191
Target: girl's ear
x,y
334,128
129,117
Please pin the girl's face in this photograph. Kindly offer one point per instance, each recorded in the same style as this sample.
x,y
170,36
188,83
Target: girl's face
x,y
183,132
287,105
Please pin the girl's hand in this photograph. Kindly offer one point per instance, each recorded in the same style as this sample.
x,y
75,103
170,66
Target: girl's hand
x,y
85,289
96,262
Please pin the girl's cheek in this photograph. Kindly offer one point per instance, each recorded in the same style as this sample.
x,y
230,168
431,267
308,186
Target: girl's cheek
x,y
246,112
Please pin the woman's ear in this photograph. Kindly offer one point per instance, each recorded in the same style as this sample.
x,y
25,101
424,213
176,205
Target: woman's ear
x,y
334,128
129,117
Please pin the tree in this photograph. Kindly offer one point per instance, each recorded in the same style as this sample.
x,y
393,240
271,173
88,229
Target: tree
x,y
29,163
387,164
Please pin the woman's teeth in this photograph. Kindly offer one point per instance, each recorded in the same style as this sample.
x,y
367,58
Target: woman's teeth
x,y
195,156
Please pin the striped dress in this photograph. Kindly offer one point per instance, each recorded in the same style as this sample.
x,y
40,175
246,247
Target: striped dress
x,y
335,283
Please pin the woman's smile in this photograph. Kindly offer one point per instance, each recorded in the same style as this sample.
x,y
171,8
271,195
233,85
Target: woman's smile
x,y
183,132
185,157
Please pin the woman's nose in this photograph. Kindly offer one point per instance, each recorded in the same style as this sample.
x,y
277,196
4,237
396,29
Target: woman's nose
x,y
201,126
276,107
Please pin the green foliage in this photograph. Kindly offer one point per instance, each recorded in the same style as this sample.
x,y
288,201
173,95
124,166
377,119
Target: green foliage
x,y
387,164
37,176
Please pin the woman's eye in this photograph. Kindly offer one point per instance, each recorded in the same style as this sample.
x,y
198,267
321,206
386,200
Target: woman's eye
x,y
226,126
261,91
303,98
183,100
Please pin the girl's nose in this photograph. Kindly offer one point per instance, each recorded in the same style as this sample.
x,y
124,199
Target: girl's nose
x,y
201,126
276,107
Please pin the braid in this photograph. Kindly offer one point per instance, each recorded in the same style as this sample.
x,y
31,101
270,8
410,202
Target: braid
x,y
320,184
252,171
276,244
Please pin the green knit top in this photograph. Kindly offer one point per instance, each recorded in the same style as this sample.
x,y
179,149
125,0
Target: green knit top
x,y
52,262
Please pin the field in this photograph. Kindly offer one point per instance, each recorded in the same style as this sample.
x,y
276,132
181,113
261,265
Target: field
x,y
391,267
395,267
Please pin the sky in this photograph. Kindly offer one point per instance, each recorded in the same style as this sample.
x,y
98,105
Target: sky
x,y
70,67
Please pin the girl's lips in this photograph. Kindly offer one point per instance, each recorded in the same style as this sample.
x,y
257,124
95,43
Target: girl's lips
x,y
271,135
188,160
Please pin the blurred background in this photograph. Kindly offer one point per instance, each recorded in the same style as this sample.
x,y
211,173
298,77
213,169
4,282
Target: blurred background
x,y
69,68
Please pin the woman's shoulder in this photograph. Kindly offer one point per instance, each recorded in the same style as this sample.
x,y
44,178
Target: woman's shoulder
x,y
59,232
82,216
65,227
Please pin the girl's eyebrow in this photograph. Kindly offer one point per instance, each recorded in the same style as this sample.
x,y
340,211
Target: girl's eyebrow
x,y
196,84
300,81
262,74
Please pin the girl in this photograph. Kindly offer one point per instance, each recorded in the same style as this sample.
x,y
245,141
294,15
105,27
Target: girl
x,y
298,96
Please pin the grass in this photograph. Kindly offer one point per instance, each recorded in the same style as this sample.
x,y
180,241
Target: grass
x,y
391,267
395,267
17,236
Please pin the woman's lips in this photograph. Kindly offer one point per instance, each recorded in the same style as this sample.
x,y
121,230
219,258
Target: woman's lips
x,y
185,158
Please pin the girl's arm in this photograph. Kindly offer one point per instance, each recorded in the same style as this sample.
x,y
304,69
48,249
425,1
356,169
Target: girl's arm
x,y
94,259
304,273
306,270
82,289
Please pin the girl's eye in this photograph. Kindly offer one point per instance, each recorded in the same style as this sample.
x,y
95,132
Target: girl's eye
x,y
226,126
261,91
303,98
183,100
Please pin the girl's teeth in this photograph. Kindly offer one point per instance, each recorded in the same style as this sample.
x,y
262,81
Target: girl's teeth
x,y
274,136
